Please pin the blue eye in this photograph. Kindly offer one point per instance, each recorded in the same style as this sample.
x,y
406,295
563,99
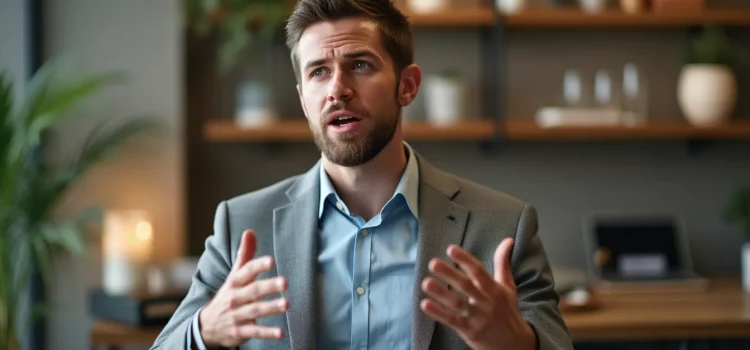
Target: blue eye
x,y
317,72
361,65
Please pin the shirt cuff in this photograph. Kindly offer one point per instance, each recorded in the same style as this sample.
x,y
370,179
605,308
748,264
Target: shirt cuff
x,y
194,334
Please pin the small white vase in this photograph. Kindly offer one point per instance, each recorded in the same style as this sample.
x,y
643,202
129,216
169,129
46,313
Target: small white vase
x,y
593,6
510,6
426,6
444,100
707,94
746,267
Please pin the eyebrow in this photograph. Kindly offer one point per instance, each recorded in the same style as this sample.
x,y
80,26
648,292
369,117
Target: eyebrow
x,y
349,55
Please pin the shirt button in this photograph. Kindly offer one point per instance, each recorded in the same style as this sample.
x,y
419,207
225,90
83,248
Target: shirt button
x,y
364,232
360,290
339,205
372,256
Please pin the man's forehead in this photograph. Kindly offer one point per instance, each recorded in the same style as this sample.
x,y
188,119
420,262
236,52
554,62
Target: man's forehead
x,y
332,34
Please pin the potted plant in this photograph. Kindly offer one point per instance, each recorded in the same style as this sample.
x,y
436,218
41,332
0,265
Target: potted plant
x,y
707,87
245,30
737,212
444,97
31,186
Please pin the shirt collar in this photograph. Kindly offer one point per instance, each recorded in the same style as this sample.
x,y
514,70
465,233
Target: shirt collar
x,y
408,186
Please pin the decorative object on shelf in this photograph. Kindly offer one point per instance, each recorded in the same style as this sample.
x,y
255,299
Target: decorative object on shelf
x,y
32,186
427,6
510,6
593,6
679,6
254,104
634,96
444,98
737,212
707,87
127,246
634,6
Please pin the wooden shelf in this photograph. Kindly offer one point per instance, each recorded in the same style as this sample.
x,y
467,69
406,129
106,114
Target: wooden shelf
x,y
543,17
457,16
299,130
657,130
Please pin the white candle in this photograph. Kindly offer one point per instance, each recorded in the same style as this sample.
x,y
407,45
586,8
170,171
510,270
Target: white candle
x,y
127,245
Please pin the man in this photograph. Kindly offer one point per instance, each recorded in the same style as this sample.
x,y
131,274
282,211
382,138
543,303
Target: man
x,y
372,248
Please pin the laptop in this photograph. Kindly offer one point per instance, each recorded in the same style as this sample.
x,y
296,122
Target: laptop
x,y
636,251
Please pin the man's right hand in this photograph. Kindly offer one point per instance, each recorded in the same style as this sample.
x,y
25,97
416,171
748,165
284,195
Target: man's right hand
x,y
229,320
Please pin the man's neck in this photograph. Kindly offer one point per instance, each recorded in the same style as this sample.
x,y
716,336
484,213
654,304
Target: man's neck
x,y
366,188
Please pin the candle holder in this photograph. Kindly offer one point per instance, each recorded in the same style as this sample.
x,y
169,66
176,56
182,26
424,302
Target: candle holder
x,y
127,247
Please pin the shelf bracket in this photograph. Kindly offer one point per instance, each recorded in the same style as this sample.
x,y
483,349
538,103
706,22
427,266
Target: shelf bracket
x,y
494,69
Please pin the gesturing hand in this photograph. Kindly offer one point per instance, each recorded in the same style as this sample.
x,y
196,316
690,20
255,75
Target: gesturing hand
x,y
482,309
230,318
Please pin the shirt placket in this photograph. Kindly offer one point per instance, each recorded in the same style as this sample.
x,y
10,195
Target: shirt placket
x,y
361,289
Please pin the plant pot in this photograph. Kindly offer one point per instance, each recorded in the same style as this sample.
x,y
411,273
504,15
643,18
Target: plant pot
x,y
510,6
707,93
746,267
426,6
254,105
444,99
633,6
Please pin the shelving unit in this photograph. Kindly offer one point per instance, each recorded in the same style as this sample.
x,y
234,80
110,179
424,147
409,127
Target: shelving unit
x,y
493,28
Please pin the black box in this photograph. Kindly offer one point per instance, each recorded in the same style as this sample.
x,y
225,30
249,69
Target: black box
x,y
137,309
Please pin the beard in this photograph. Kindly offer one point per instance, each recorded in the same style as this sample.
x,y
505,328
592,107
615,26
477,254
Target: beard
x,y
356,148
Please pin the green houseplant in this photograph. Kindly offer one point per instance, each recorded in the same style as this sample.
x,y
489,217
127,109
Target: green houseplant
x,y
737,213
707,88
31,186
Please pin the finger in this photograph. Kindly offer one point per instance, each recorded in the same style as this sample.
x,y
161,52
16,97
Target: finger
x,y
443,315
440,293
245,253
456,279
503,273
253,331
260,309
261,289
251,270
473,268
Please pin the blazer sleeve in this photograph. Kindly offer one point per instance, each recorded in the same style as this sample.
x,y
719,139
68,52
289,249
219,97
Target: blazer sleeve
x,y
535,285
213,268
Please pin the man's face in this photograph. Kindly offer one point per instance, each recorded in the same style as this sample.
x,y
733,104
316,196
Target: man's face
x,y
348,89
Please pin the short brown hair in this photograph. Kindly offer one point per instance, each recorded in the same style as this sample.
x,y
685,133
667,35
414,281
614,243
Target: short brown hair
x,y
395,31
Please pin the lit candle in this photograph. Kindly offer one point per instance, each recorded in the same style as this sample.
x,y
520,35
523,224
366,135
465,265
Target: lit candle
x,y
127,245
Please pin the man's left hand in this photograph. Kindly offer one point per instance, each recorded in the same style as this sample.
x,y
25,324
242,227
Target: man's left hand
x,y
482,309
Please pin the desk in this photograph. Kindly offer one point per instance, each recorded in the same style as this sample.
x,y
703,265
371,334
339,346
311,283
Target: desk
x,y
723,311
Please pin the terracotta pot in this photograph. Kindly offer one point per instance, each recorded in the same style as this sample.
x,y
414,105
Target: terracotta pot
x,y
707,93
633,6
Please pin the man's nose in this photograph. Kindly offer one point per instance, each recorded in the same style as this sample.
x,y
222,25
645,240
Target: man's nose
x,y
340,89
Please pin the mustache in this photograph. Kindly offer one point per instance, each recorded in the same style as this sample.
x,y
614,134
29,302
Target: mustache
x,y
340,106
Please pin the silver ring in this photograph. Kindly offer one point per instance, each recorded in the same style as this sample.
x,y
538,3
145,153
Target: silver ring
x,y
466,311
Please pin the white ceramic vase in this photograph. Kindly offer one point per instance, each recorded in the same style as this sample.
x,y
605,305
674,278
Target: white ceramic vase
x,y
444,100
707,93
510,6
746,266
593,6
426,6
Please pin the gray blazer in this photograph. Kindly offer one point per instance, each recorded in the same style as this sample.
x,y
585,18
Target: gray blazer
x,y
452,210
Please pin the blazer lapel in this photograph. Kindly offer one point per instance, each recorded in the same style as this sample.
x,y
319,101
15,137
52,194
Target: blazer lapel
x,y
294,237
442,222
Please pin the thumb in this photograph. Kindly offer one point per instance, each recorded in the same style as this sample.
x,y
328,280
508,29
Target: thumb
x,y
503,274
245,253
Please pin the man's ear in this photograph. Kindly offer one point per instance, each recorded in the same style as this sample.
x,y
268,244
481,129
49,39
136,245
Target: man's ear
x,y
411,79
302,101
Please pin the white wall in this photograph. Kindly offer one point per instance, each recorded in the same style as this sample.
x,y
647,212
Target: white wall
x,y
141,38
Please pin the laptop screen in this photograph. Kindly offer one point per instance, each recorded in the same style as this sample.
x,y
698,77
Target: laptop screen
x,y
634,249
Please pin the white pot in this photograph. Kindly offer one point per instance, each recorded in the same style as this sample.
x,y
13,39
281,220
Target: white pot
x,y
426,6
746,266
510,6
444,100
593,6
707,94
254,105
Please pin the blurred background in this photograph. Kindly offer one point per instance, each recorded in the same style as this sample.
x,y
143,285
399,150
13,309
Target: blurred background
x,y
575,106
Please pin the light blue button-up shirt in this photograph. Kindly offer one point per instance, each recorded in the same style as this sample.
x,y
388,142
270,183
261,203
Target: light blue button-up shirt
x,y
366,269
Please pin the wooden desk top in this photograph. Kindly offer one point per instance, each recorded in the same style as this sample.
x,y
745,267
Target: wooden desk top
x,y
722,311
